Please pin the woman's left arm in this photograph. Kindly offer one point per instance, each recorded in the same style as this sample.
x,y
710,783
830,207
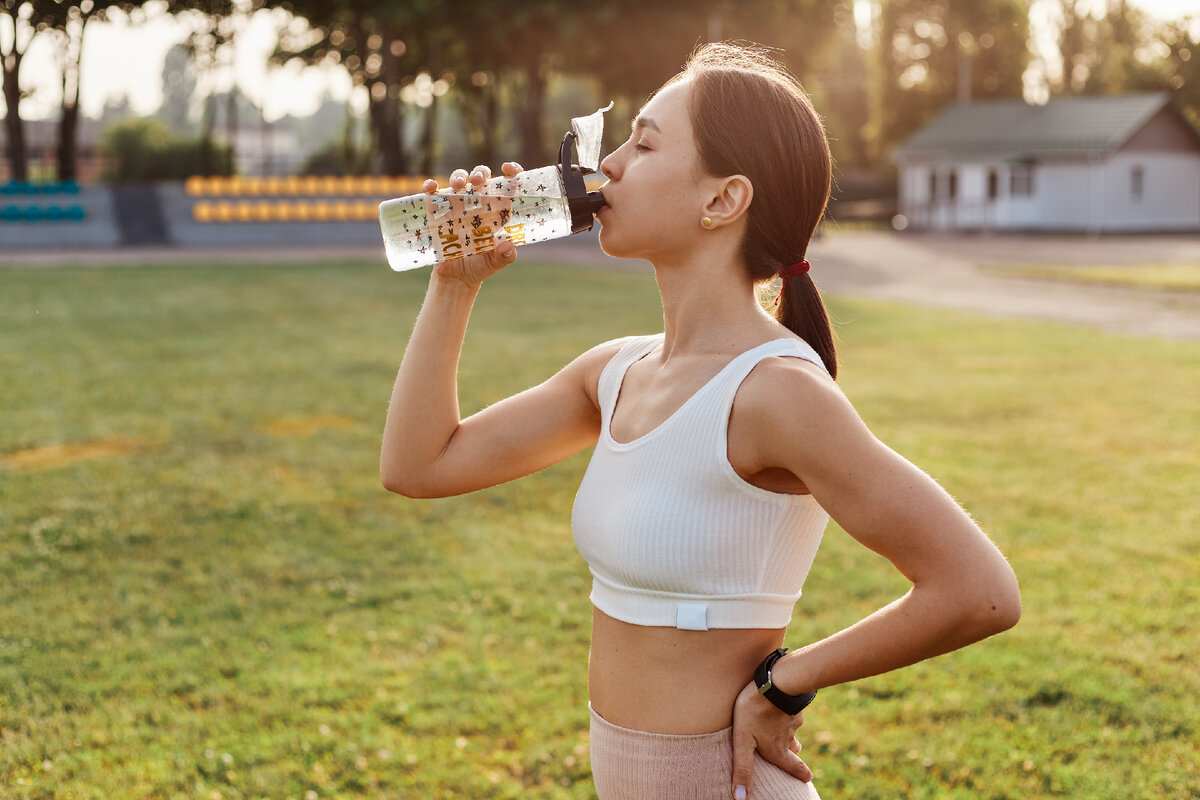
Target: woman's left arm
x,y
963,590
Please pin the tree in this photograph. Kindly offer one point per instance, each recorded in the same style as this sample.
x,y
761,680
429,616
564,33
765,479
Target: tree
x,y
178,89
24,19
1182,65
68,20
209,44
934,52
380,46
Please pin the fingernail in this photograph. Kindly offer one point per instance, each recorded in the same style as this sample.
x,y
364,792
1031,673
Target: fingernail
x,y
477,174
739,793
506,249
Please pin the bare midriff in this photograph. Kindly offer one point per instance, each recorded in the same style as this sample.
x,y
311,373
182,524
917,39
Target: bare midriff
x,y
666,680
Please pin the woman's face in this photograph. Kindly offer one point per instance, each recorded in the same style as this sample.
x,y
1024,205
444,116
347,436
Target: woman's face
x,y
656,189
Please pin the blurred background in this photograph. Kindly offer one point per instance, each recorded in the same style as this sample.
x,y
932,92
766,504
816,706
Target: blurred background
x,y
151,91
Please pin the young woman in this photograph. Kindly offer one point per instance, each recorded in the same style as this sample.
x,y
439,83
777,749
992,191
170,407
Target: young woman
x,y
722,445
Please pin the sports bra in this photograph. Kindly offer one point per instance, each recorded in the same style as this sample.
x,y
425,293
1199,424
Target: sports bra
x,y
673,536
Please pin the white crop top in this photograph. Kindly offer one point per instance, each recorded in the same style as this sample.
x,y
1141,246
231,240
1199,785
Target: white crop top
x,y
673,535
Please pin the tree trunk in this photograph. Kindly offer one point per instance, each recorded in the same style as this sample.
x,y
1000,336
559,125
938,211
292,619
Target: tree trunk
x,y
14,128
68,167
67,126
428,136
207,118
491,118
533,150
385,124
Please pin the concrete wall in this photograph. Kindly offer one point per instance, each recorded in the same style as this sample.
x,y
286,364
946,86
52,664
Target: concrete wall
x,y
182,229
1170,192
1084,196
97,229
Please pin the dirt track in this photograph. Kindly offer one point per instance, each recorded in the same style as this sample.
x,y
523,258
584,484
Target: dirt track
x,y
938,271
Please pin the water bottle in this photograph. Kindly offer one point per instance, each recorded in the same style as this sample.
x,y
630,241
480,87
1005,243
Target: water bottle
x,y
533,206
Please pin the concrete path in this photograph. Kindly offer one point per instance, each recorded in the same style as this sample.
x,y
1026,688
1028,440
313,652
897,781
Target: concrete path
x,y
931,270
947,272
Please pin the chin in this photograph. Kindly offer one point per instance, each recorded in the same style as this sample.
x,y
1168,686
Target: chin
x,y
612,245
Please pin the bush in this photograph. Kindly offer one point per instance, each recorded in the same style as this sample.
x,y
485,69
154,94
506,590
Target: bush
x,y
144,149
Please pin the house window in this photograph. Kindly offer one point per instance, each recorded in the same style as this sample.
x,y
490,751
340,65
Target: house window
x,y
993,184
1137,179
1021,180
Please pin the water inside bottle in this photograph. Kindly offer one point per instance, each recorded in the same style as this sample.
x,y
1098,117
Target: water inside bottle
x,y
424,229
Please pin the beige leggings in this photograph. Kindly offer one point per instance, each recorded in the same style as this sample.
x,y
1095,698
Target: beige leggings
x,y
636,765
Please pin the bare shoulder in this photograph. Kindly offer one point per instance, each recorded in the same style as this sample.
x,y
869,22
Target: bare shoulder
x,y
787,386
586,367
789,412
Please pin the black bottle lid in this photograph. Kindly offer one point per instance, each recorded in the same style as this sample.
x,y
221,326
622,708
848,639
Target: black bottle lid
x,y
582,203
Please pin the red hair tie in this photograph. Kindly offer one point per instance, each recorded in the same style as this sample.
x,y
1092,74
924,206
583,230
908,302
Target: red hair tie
x,y
792,271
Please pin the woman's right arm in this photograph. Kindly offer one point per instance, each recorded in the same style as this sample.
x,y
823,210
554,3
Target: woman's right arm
x,y
427,450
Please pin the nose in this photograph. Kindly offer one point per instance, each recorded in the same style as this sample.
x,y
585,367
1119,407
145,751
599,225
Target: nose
x,y
606,165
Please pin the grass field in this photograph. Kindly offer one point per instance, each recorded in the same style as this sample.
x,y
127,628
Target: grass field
x,y
1155,277
204,592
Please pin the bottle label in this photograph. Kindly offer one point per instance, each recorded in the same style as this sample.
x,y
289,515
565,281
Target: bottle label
x,y
427,228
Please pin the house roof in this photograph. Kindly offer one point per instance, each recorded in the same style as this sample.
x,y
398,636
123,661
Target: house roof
x,y
1012,130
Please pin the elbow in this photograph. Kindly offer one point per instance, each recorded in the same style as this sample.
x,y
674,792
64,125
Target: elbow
x,y
404,483
999,607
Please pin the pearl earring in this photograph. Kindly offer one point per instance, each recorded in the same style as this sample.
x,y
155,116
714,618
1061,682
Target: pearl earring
x,y
706,222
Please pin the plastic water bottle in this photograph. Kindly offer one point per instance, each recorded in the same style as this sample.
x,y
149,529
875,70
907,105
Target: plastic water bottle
x,y
533,206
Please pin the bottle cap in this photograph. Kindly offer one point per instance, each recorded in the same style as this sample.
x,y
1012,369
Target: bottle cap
x,y
582,203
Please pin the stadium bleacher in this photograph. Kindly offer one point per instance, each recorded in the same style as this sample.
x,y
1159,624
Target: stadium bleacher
x,y
24,201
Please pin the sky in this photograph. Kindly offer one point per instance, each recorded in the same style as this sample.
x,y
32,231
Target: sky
x,y
125,59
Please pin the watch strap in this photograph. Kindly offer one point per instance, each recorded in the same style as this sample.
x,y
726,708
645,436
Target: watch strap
x,y
790,704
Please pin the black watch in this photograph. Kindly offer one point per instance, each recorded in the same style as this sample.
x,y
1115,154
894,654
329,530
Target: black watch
x,y
790,704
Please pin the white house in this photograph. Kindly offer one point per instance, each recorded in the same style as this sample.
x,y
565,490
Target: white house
x,y
1092,164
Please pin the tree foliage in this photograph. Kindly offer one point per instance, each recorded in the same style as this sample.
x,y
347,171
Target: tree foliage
x,y
497,66
933,53
144,149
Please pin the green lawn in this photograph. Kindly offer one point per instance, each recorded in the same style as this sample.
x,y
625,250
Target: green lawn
x,y
204,592
1160,277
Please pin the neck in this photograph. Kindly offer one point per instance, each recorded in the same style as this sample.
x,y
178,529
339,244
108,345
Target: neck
x,y
708,304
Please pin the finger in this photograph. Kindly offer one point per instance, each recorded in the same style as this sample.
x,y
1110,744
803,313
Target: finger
x,y
480,174
458,179
511,168
429,186
743,766
795,745
790,763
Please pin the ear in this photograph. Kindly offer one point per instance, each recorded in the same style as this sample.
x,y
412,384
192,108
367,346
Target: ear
x,y
730,200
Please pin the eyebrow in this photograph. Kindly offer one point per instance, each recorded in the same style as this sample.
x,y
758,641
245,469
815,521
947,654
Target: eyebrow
x,y
645,122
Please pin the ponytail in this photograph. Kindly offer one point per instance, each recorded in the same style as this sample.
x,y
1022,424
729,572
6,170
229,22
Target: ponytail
x,y
802,311
751,117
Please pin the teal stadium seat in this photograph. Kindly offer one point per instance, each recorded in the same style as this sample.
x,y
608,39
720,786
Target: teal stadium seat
x,y
33,214
11,214
76,214
54,213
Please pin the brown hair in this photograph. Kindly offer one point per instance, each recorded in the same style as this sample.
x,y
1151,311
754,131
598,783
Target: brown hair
x,y
751,117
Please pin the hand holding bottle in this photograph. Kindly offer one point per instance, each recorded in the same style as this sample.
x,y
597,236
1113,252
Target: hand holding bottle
x,y
473,269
